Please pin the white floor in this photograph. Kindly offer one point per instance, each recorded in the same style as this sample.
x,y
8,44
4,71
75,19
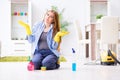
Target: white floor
x,y
18,71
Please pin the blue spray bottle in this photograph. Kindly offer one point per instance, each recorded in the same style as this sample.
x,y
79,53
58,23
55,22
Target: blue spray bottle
x,y
74,62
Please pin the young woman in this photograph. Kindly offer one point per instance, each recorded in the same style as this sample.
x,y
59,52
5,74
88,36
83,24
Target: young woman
x,y
45,38
45,49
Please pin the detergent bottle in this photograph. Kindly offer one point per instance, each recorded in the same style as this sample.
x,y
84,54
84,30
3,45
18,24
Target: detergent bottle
x,y
30,66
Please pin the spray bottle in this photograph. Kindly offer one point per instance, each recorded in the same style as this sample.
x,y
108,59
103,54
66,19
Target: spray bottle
x,y
74,61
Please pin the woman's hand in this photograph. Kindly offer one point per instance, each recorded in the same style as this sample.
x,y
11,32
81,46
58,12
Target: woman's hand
x,y
26,26
60,34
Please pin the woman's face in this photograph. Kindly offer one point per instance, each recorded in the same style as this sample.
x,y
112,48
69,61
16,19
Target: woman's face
x,y
49,17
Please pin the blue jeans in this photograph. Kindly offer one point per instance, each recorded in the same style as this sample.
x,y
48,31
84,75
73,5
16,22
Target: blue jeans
x,y
45,58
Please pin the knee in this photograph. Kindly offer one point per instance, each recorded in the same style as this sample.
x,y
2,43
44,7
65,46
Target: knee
x,y
37,64
46,63
49,65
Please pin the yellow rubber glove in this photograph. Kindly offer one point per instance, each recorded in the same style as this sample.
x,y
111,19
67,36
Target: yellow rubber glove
x,y
26,26
62,59
60,34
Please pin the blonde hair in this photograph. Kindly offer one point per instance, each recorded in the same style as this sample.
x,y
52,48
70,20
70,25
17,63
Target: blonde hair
x,y
56,24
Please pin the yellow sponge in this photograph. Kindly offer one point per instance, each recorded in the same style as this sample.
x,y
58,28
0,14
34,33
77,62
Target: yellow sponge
x,y
43,68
